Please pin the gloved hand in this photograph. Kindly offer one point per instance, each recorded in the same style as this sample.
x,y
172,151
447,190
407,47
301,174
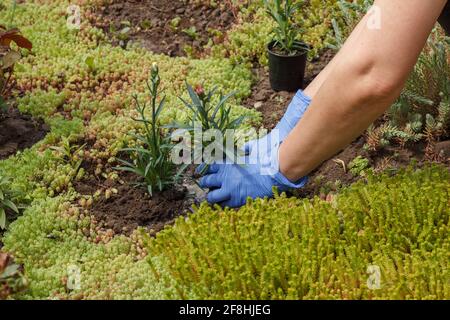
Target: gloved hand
x,y
231,184
294,113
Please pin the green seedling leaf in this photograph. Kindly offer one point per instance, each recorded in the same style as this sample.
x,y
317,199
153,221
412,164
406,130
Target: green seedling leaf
x,y
10,271
2,218
3,104
90,62
10,59
11,205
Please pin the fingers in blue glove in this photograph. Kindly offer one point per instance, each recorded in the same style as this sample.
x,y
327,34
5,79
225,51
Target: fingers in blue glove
x,y
218,196
210,181
212,168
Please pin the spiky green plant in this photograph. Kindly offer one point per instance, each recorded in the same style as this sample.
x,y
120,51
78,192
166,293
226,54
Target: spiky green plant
x,y
71,154
286,31
151,161
207,114
423,109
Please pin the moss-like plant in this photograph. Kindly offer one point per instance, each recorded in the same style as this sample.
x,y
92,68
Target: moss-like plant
x,y
297,249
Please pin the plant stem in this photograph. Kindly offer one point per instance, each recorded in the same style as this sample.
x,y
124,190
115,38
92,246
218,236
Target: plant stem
x,y
13,13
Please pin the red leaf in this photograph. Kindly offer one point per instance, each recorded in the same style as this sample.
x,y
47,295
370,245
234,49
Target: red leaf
x,y
14,35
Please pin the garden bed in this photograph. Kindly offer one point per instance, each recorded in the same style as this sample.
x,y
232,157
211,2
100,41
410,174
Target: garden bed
x,y
82,212
169,27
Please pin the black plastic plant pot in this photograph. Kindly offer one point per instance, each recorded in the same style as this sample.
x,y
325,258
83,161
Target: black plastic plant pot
x,y
286,72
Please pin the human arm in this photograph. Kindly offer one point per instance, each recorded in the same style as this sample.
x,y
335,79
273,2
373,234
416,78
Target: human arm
x,y
366,79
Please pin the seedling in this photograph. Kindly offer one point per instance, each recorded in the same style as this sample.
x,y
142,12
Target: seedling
x,y
191,32
151,160
123,35
214,32
358,165
6,202
286,32
90,63
175,23
72,154
208,115
189,50
146,24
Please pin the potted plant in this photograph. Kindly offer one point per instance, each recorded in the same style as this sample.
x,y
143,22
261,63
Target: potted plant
x,y
287,54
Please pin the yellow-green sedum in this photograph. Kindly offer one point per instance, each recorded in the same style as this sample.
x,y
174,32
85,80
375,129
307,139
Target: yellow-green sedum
x,y
298,249
49,240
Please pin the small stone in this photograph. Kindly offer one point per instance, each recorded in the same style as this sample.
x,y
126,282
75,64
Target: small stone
x,y
258,105
180,10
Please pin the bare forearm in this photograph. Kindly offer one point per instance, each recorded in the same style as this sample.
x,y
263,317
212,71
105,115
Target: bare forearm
x,y
362,84
317,83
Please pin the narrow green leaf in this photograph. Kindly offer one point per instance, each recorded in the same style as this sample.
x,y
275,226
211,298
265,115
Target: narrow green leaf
x,y
2,218
10,205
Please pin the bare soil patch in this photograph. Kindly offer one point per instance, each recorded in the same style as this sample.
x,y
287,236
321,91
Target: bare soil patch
x,y
164,26
19,131
129,207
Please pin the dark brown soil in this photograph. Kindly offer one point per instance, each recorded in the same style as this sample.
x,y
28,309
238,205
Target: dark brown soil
x,y
152,24
131,207
19,131
273,104
331,174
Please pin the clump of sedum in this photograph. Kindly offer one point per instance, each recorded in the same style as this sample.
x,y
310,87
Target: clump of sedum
x,y
297,249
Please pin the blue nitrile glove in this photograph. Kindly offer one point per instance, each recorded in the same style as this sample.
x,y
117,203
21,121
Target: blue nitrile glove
x,y
293,114
231,184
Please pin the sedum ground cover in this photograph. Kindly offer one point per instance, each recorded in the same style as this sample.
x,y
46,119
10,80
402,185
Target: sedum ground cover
x,y
283,248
